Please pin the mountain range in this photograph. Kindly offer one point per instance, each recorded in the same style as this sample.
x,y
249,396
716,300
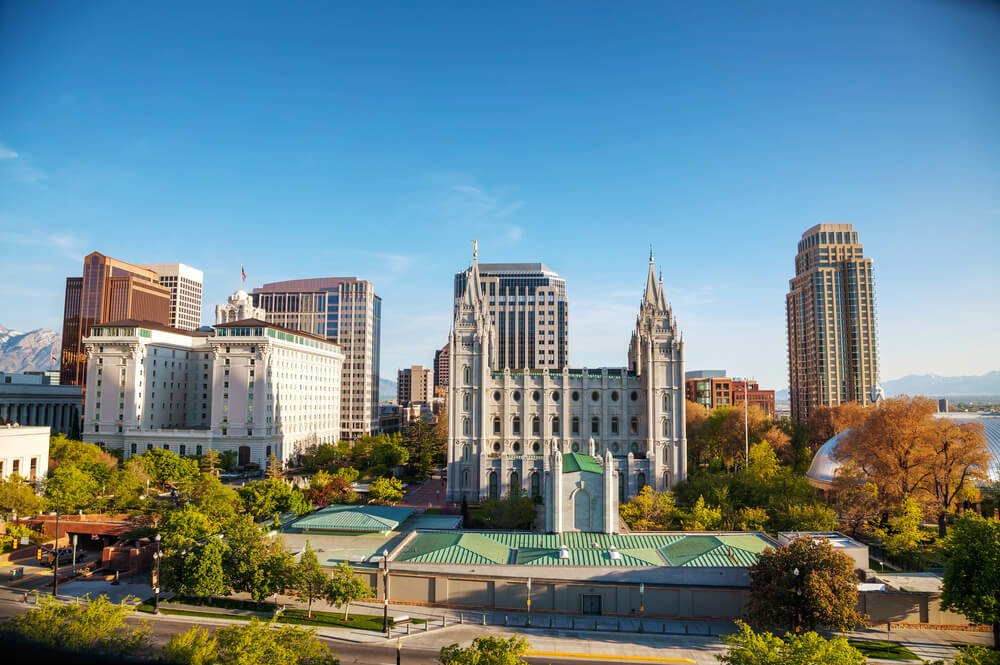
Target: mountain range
x,y
934,385
30,351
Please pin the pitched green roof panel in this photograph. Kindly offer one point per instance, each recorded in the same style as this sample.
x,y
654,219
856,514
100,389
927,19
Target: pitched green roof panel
x,y
573,462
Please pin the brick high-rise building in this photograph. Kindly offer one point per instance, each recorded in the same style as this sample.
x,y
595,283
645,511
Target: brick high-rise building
x,y
441,367
526,303
346,311
415,384
830,308
109,290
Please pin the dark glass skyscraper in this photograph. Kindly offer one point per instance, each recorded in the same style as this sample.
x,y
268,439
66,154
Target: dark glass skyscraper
x,y
527,304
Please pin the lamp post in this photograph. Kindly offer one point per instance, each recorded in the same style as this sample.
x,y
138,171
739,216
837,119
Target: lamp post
x,y
529,601
642,604
798,594
55,561
385,592
156,575
746,423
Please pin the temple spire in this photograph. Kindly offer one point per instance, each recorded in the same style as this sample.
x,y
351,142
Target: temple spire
x,y
650,297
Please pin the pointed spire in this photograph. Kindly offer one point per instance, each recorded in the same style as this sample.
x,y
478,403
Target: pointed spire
x,y
663,294
650,296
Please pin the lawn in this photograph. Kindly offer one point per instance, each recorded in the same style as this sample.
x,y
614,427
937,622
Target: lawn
x,y
363,621
884,650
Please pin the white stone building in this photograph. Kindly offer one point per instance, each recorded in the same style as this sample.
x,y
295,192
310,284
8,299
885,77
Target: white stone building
x,y
549,432
24,451
251,387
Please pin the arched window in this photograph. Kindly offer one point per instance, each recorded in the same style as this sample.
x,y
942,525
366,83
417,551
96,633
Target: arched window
x,y
633,426
555,425
614,424
666,454
666,427
666,402
621,487
536,426
515,482
575,425
496,425
516,426
467,402
595,425
465,478
466,428
640,481
466,453
466,374
494,486
536,484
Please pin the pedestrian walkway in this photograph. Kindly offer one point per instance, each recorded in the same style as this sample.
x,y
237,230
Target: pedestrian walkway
x,y
428,494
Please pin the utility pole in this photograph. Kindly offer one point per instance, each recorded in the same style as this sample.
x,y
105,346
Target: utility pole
x,y
55,562
746,423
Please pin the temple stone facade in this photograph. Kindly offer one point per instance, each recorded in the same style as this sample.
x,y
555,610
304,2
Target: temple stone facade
x,y
583,440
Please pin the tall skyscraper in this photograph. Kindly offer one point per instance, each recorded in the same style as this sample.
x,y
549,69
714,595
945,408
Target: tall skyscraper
x,y
185,284
832,338
110,290
526,303
441,367
343,310
415,384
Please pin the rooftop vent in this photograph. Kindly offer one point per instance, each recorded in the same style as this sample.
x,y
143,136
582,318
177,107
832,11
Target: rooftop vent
x,y
614,554
563,552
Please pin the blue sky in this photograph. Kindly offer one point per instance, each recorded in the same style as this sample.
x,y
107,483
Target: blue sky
x,y
379,139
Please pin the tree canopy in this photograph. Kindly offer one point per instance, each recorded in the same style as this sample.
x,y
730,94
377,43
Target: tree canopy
x,y
747,647
345,587
804,585
385,491
255,643
94,627
487,651
972,572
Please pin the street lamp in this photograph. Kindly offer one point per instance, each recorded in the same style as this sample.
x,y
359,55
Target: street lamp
x,y
385,592
642,604
156,575
55,561
529,601
798,594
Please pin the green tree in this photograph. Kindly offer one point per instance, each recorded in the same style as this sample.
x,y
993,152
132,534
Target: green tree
x,y
263,498
201,572
195,646
487,651
17,496
903,536
345,587
93,627
385,491
750,519
805,517
972,572
749,648
210,462
310,582
973,654
229,459
275,471
649,511
164,466
69,488
516,511
126,484
207,493
254,643
425,445
804,585
185,525
390,453
701,517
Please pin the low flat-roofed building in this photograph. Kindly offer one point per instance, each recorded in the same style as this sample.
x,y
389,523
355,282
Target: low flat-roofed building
x,y
37,399
24,451
841,543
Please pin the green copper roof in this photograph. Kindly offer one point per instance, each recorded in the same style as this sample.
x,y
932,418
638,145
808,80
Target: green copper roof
x,y
356,519
584,549
577,462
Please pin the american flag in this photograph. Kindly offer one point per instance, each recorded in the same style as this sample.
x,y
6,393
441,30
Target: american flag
x,y
243,273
